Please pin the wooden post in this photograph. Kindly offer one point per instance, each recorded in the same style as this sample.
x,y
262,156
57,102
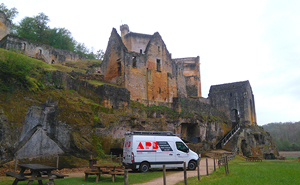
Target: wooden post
x,y
57,161
110,156
214,164
227,164
184,173
126,177
120,159
206,166
16,158
198,169
164,174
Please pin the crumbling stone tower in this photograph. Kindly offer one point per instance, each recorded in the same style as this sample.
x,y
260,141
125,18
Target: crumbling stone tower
x,y
5,25
142,64
236,100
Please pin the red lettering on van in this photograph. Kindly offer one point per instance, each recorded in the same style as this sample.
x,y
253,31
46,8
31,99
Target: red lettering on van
x,y
140,146
129,144
155,145
148,144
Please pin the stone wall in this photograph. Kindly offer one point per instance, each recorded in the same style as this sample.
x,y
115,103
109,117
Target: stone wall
x,y
192,75
107,95
39,51
5,25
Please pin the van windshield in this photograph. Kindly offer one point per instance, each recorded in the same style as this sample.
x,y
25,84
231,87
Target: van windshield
x,y
181,147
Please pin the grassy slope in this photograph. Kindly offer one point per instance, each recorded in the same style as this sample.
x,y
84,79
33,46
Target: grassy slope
x,y
245,172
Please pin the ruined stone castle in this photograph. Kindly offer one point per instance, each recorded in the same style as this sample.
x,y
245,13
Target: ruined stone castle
x,y
142,70
142,64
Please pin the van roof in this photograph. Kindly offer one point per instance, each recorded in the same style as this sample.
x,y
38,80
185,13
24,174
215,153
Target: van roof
x,y
155,133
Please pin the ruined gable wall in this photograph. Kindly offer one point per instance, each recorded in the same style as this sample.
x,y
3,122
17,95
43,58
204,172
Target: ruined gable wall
x,y
135,76
235,98
40,51
180,79
192,75
5,25
136,42
162,81
114,60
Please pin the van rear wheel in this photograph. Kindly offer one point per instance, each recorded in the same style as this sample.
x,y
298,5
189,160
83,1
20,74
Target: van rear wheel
x,y
144,167
192,165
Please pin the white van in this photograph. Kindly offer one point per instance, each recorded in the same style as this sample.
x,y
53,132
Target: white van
x,y
146,149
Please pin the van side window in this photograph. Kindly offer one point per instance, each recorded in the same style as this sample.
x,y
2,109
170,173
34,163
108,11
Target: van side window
x,y
180,146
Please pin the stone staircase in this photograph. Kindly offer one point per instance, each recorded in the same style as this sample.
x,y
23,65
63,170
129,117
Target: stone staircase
x,y
227,137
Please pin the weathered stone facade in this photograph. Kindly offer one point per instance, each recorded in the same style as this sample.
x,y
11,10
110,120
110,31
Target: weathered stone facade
x,y
5,25
236,100
37,50
142,64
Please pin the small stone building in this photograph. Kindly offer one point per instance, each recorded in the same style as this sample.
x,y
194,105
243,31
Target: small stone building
x,y
236,100
37,50
142,64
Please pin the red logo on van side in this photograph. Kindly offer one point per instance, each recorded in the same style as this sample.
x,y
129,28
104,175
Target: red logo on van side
x,y
148,145
127,144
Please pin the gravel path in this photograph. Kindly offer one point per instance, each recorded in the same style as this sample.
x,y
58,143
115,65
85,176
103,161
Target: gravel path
x,y
177,177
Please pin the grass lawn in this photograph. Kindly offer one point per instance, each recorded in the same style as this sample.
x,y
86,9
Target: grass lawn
x,y
105,179
245,172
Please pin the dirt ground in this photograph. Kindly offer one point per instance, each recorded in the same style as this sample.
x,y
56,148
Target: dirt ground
x,y
171,178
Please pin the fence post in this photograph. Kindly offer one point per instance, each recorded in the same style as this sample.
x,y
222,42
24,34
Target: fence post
x,y
16,158
57,161
227,164
214,164
126,177
206,166
164,174
184,173
198,168
120,159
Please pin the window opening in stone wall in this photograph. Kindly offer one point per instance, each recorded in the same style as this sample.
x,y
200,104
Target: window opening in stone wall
x,y
52,62
141,51
159,90
158,65
40,51
119,68
192,67
134,62
158,48
24,46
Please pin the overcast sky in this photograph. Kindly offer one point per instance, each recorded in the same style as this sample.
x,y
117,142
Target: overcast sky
x,y
256,40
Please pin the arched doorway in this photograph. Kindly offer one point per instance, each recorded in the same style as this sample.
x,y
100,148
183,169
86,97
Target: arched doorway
x,y
234,117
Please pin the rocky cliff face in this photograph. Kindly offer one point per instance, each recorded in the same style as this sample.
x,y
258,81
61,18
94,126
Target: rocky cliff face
x,y
77,118
254,141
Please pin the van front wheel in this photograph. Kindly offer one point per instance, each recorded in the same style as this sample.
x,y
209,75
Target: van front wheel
x,y
144,167
192,165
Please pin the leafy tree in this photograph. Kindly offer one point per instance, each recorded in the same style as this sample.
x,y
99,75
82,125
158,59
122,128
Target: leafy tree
x,y
36,29
27,29
41,29
10,13
61,38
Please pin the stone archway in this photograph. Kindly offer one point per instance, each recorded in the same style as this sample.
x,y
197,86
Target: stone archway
x,y
190,132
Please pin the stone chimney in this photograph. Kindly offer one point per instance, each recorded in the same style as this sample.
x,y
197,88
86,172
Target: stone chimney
x,y
124,29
